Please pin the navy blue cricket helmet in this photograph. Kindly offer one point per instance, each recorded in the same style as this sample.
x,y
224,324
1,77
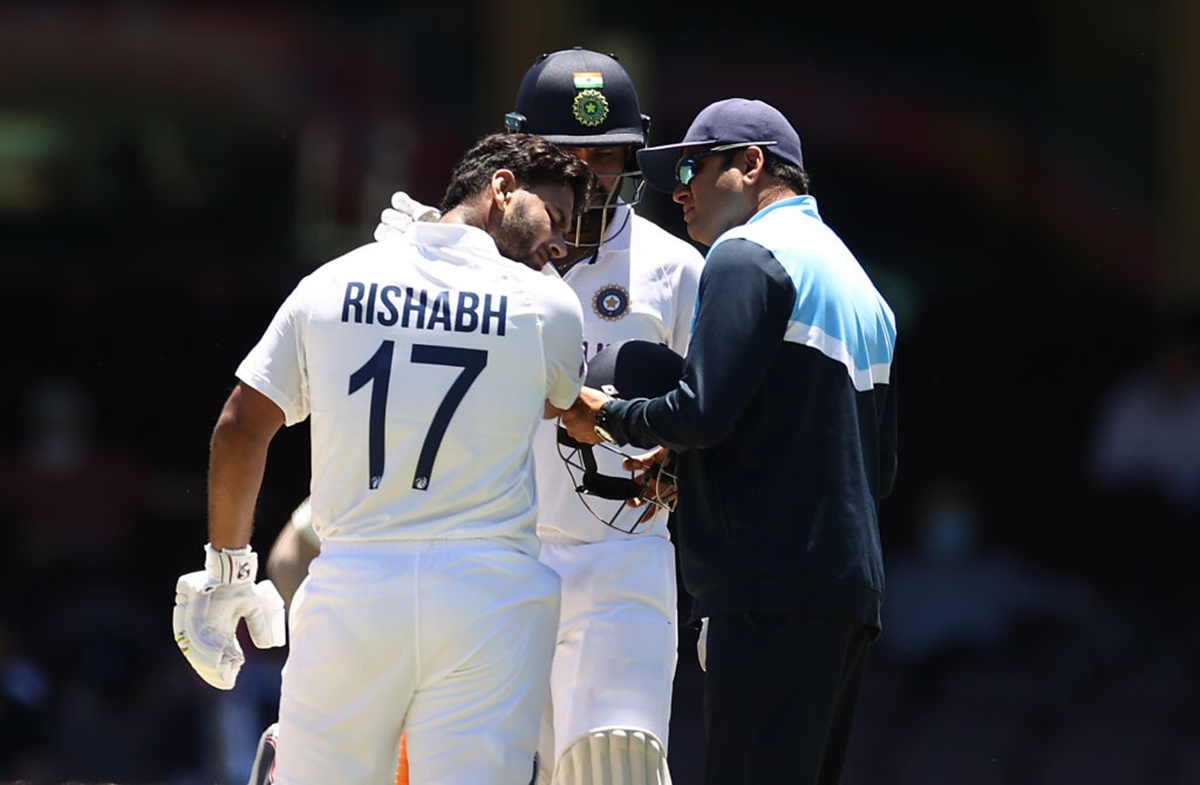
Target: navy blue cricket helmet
x,y
579,98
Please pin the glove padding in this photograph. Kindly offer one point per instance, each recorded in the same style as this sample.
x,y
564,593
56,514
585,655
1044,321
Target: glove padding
x,y
208,606
702,644
395,220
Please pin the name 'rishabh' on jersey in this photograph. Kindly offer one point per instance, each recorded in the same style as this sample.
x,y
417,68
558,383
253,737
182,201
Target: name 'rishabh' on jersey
x,y
462,311
424,363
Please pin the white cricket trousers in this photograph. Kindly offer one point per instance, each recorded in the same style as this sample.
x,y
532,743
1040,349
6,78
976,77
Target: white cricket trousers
x,y
617,640
447,641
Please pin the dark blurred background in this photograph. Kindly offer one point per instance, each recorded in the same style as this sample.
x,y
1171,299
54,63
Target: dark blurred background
x,y
1021,179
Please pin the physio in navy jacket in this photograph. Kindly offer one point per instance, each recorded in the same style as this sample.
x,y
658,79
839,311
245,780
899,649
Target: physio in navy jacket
x,y
784,426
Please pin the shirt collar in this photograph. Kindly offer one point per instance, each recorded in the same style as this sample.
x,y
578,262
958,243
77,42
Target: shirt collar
x,y
447,234
805,202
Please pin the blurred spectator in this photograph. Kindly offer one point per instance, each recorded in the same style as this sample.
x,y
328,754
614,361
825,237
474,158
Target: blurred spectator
x,y
1148,431
115,714
85,664
25,707
82,505
1144,485
956,596
71,500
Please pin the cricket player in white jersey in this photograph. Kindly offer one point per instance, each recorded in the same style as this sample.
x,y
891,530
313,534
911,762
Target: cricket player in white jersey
x,y
426,365
617,638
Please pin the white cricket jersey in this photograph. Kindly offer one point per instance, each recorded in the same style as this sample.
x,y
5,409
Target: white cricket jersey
x,y
642,285
424,363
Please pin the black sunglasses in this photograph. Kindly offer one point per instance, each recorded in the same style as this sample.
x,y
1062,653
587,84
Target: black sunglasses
x,y
686,169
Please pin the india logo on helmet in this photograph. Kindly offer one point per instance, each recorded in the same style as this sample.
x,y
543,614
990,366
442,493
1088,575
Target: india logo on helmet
x,y
590,107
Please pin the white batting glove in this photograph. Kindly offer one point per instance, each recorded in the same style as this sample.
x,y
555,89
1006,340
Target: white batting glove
x,y
702,644
395,220
208,606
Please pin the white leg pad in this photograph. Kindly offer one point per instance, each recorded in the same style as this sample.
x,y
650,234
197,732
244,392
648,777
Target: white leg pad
x,y
543,774
614,756
263,770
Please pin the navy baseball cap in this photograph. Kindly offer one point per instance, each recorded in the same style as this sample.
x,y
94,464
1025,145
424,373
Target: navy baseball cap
x,y
733,122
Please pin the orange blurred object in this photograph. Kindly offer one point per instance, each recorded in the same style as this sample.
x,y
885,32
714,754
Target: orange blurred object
x,y
402,767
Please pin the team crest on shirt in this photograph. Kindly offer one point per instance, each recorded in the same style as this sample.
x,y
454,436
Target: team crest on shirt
x,y
611,302
590,107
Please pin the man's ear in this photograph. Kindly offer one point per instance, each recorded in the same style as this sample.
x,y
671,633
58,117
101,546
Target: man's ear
x,y
504,185
754,162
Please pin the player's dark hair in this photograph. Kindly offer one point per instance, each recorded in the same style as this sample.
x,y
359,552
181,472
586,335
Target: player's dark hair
x,y
793,176
533,161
